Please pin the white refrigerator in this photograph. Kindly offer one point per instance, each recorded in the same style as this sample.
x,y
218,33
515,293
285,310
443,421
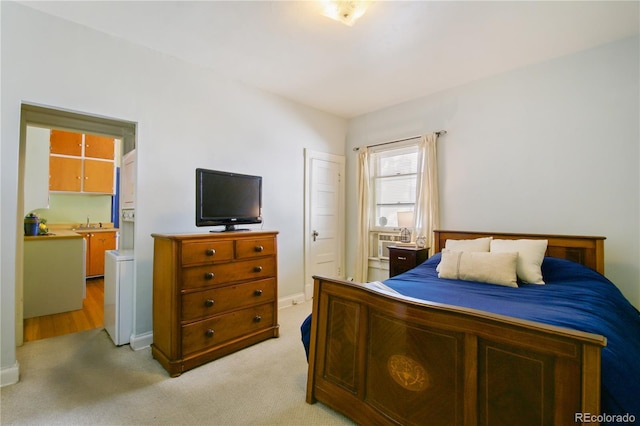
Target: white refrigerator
x,y
118,295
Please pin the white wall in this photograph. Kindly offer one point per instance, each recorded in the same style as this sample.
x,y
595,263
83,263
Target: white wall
x,y
552,148
187,117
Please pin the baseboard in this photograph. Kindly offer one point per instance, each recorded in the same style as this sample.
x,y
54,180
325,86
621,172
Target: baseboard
x,y
10,375
295,299
141,341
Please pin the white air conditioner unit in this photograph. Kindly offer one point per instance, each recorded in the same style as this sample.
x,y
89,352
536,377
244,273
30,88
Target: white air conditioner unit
x,y
384,241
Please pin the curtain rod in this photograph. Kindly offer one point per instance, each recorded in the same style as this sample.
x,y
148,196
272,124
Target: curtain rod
x,y
439,133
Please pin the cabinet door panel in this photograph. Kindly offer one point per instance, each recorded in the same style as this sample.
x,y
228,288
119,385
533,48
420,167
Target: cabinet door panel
x,y
128,180
98,176
65,143
97,244
65,174
99,147
101,242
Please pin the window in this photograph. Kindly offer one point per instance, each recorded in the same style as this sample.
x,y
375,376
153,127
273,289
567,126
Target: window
x,y
393,185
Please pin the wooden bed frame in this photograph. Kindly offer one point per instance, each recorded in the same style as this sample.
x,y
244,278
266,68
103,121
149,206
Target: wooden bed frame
x,y
385,360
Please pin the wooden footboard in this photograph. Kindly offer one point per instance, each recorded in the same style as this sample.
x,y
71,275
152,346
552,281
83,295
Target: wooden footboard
x,y
387,360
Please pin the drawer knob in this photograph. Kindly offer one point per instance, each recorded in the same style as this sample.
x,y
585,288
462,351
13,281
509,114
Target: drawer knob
x,y
257,318
259,248
257,269
209,276
209,333
258,292
210,252
402,258
208,303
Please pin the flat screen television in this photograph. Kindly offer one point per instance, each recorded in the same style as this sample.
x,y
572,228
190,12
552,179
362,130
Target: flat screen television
x,y
227,199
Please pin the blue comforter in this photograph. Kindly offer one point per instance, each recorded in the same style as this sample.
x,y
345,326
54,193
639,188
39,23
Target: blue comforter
x,y
574,297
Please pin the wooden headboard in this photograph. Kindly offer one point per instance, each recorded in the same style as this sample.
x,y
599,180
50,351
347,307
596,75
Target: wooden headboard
x,y
588,251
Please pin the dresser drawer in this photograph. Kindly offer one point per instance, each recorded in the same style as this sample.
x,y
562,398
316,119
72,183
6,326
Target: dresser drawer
x,y
206,303
213,275
253,248
218,330
195,253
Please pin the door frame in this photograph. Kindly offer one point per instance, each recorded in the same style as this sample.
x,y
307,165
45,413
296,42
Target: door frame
x,y
50,117
310,155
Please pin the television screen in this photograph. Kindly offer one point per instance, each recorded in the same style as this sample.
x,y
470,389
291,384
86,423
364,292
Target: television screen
x,y
224,198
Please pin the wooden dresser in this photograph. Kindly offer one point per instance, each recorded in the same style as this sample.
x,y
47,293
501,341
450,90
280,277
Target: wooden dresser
x,y
213,294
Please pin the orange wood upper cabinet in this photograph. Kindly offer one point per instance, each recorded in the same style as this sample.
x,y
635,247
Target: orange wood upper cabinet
x,y
65,143
98,176
99,147
65,174
81,163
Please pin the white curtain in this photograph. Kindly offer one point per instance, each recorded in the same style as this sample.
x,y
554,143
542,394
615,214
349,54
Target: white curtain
x,y
427,200
362,249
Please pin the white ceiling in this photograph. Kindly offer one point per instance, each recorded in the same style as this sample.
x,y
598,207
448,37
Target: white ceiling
x,y
399,50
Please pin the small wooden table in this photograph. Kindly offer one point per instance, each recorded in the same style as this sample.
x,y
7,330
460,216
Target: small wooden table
x,y
402,259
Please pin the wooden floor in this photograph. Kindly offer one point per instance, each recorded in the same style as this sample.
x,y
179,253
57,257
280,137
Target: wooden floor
x,y
89,317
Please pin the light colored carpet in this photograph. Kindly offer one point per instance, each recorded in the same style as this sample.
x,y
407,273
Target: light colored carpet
x,y
82,379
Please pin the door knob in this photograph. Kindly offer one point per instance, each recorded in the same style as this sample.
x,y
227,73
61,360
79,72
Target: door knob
x,y
315,234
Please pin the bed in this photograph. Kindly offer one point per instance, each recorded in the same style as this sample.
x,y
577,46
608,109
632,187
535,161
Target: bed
x,y
418,349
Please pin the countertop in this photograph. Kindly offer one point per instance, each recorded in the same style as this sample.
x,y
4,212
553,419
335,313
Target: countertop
x,y
69,231
93,230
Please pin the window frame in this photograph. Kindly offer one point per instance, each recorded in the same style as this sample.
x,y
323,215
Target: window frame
x,y
376,154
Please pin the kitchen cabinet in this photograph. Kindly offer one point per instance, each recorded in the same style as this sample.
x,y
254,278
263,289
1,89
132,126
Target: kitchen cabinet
x,y
99,147
81,163
65,174
36,169
128,180
65,143
53,275
98,176
97,242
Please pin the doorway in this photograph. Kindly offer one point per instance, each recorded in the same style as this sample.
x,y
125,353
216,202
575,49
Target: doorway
x,y
92,313
89,317
324,217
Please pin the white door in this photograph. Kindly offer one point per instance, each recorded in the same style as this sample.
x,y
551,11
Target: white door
x,y
324,217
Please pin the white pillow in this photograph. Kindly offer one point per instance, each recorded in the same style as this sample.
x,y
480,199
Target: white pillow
x,y
530,256
493,268
478,244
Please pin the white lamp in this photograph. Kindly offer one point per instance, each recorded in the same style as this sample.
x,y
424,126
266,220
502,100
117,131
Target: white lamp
x,y
405,221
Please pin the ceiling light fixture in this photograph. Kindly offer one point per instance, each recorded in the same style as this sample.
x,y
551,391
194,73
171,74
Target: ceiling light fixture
x,y
346,12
